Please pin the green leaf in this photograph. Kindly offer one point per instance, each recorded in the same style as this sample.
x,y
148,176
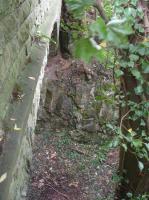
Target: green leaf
x,y
130,12
137,143
134,2
139,90
117,39
133,57
142,122
147,146
99,28
129,195
110,126
86,50
120,26
145,67
78,7
119,73
141,166
115,142
136,74
118,31
124,146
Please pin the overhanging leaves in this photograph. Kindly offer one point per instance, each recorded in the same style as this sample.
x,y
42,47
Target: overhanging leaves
x,y
116,31
98,28
78,6
85,50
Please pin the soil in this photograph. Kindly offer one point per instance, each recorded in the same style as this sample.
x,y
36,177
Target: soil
x,y
64,169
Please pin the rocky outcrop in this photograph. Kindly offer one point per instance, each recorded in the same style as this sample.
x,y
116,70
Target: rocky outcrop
x,y
71,103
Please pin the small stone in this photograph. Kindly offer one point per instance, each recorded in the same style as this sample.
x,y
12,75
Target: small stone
x,y
91,128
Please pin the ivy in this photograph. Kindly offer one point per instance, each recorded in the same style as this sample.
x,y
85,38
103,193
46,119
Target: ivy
x,y
125,35
78,7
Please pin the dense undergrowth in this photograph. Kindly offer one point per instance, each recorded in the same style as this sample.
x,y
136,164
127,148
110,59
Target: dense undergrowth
x,y
121,43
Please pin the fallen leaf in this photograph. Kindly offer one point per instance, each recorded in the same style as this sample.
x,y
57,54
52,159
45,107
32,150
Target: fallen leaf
x,y
32,78
75,184
53,155
103,44
141,166
3,177
130,130
12,119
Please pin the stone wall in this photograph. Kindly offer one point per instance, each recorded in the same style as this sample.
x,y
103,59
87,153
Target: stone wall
x,y
23,57
19,21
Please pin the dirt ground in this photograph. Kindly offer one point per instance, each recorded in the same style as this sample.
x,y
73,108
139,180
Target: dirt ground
x,y
64,169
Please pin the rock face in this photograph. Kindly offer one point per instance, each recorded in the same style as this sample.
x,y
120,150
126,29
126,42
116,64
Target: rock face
x,y
71,97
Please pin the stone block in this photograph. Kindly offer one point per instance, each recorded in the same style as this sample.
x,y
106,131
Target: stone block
x,y
11,26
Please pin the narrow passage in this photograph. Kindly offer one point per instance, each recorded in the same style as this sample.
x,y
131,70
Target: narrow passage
x,y
72,159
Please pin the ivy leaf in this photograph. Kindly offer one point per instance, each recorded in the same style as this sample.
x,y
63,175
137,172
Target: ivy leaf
x,y
86,50
118,31
134,2
147,146
139,90
137,143
121,26
136,74
145,67
141,166
124,146
115,142
129,195
130,12
119,73
3,177
117,39
133,57
142,122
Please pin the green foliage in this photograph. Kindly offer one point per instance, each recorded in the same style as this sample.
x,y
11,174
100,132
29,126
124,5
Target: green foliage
x,y
107,4
78,7
140,197
119,34
86,49
39,36
115,32
98,28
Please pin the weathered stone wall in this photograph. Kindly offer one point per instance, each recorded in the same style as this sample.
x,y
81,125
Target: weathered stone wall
x,y
19,20
23,57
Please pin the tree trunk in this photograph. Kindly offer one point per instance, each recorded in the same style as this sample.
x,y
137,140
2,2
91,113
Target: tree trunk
x,y
64,35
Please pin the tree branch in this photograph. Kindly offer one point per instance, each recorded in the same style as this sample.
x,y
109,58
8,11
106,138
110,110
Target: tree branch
x,y
99,7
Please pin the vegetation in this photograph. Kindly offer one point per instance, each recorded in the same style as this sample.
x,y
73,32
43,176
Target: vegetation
x,y
125,37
